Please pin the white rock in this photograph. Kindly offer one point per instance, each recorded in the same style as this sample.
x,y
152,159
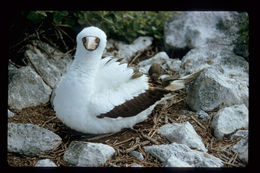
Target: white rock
x,y
88,154
45,163
225,81
160,58
135,165
183,153
175,162
242,149
26,88
182,133
52,68
30,140
229,119
203,115
10,114
240,133
127,51
137,155
193,29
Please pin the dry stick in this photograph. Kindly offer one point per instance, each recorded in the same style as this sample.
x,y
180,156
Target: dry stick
x,y
233,158
66,34
150,139
123,141
67,53
138,54
197,122
38,72
61,37
136,146
48,121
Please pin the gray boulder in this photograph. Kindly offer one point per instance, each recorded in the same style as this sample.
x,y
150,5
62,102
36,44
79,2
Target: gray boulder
x,y
224,81
239,133
45,163
182,133
30,140
126,51
184,153
229,119
242,149
187,30
52,68
10,114
160,58
203,115
137,155
175,162
26,88
88,154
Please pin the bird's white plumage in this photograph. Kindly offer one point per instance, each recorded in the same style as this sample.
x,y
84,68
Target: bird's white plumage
x,y
94,86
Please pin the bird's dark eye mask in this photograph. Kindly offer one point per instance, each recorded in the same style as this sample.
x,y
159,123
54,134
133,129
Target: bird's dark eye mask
x,y
90,42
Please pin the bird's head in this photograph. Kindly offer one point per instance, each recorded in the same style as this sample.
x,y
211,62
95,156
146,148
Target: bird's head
x,y
91,39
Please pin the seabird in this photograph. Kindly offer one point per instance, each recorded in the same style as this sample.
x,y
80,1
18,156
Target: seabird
x,y
101,95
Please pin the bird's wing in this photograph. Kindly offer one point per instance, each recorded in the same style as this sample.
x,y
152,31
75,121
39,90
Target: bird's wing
x,y
115,84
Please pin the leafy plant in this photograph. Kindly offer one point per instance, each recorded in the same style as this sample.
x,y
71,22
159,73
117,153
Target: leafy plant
x,y
120,25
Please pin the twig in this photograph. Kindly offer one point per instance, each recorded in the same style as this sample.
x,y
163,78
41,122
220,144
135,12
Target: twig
x,y
26,38
16,65
233,158
150,139
48,121
67,53
123,141
138,54
236,165
66,34
136,146
197,122
61,37
38,72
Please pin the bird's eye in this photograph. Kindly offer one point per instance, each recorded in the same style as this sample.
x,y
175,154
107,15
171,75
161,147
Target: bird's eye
x,y
97,40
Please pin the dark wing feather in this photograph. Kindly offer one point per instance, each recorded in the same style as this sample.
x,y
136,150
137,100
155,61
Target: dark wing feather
x,y
137,104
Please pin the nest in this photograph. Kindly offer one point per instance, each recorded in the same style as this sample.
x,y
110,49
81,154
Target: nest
x,y
127,140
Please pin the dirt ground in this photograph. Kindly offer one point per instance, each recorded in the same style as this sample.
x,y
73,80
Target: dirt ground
x,y
143,134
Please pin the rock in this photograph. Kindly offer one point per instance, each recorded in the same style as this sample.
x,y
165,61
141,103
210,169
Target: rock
x,y
120,49
203,115
52,68
26,88
229,119
175,162
10,114
225,81
160,58
137,155
45,163
183,153
182,133
242,149
30,140
239,133
87,154
135,165
187,30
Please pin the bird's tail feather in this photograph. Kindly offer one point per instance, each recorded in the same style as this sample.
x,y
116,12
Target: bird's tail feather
x,y
180,83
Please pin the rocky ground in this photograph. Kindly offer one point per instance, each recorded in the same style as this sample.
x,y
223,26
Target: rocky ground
x,y
205,125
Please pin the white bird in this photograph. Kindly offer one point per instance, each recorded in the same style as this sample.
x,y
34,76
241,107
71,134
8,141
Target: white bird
x,y
101,95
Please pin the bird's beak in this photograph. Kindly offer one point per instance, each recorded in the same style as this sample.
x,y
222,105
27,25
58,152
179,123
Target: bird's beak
x,y
90,43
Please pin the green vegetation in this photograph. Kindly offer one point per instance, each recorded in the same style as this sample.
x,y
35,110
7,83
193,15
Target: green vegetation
x,y
120,25
244,31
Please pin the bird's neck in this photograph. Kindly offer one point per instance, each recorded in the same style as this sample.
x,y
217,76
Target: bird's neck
x,y
87,62
86,66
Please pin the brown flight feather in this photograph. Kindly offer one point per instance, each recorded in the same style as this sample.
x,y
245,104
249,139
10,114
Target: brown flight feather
x,y
137,104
